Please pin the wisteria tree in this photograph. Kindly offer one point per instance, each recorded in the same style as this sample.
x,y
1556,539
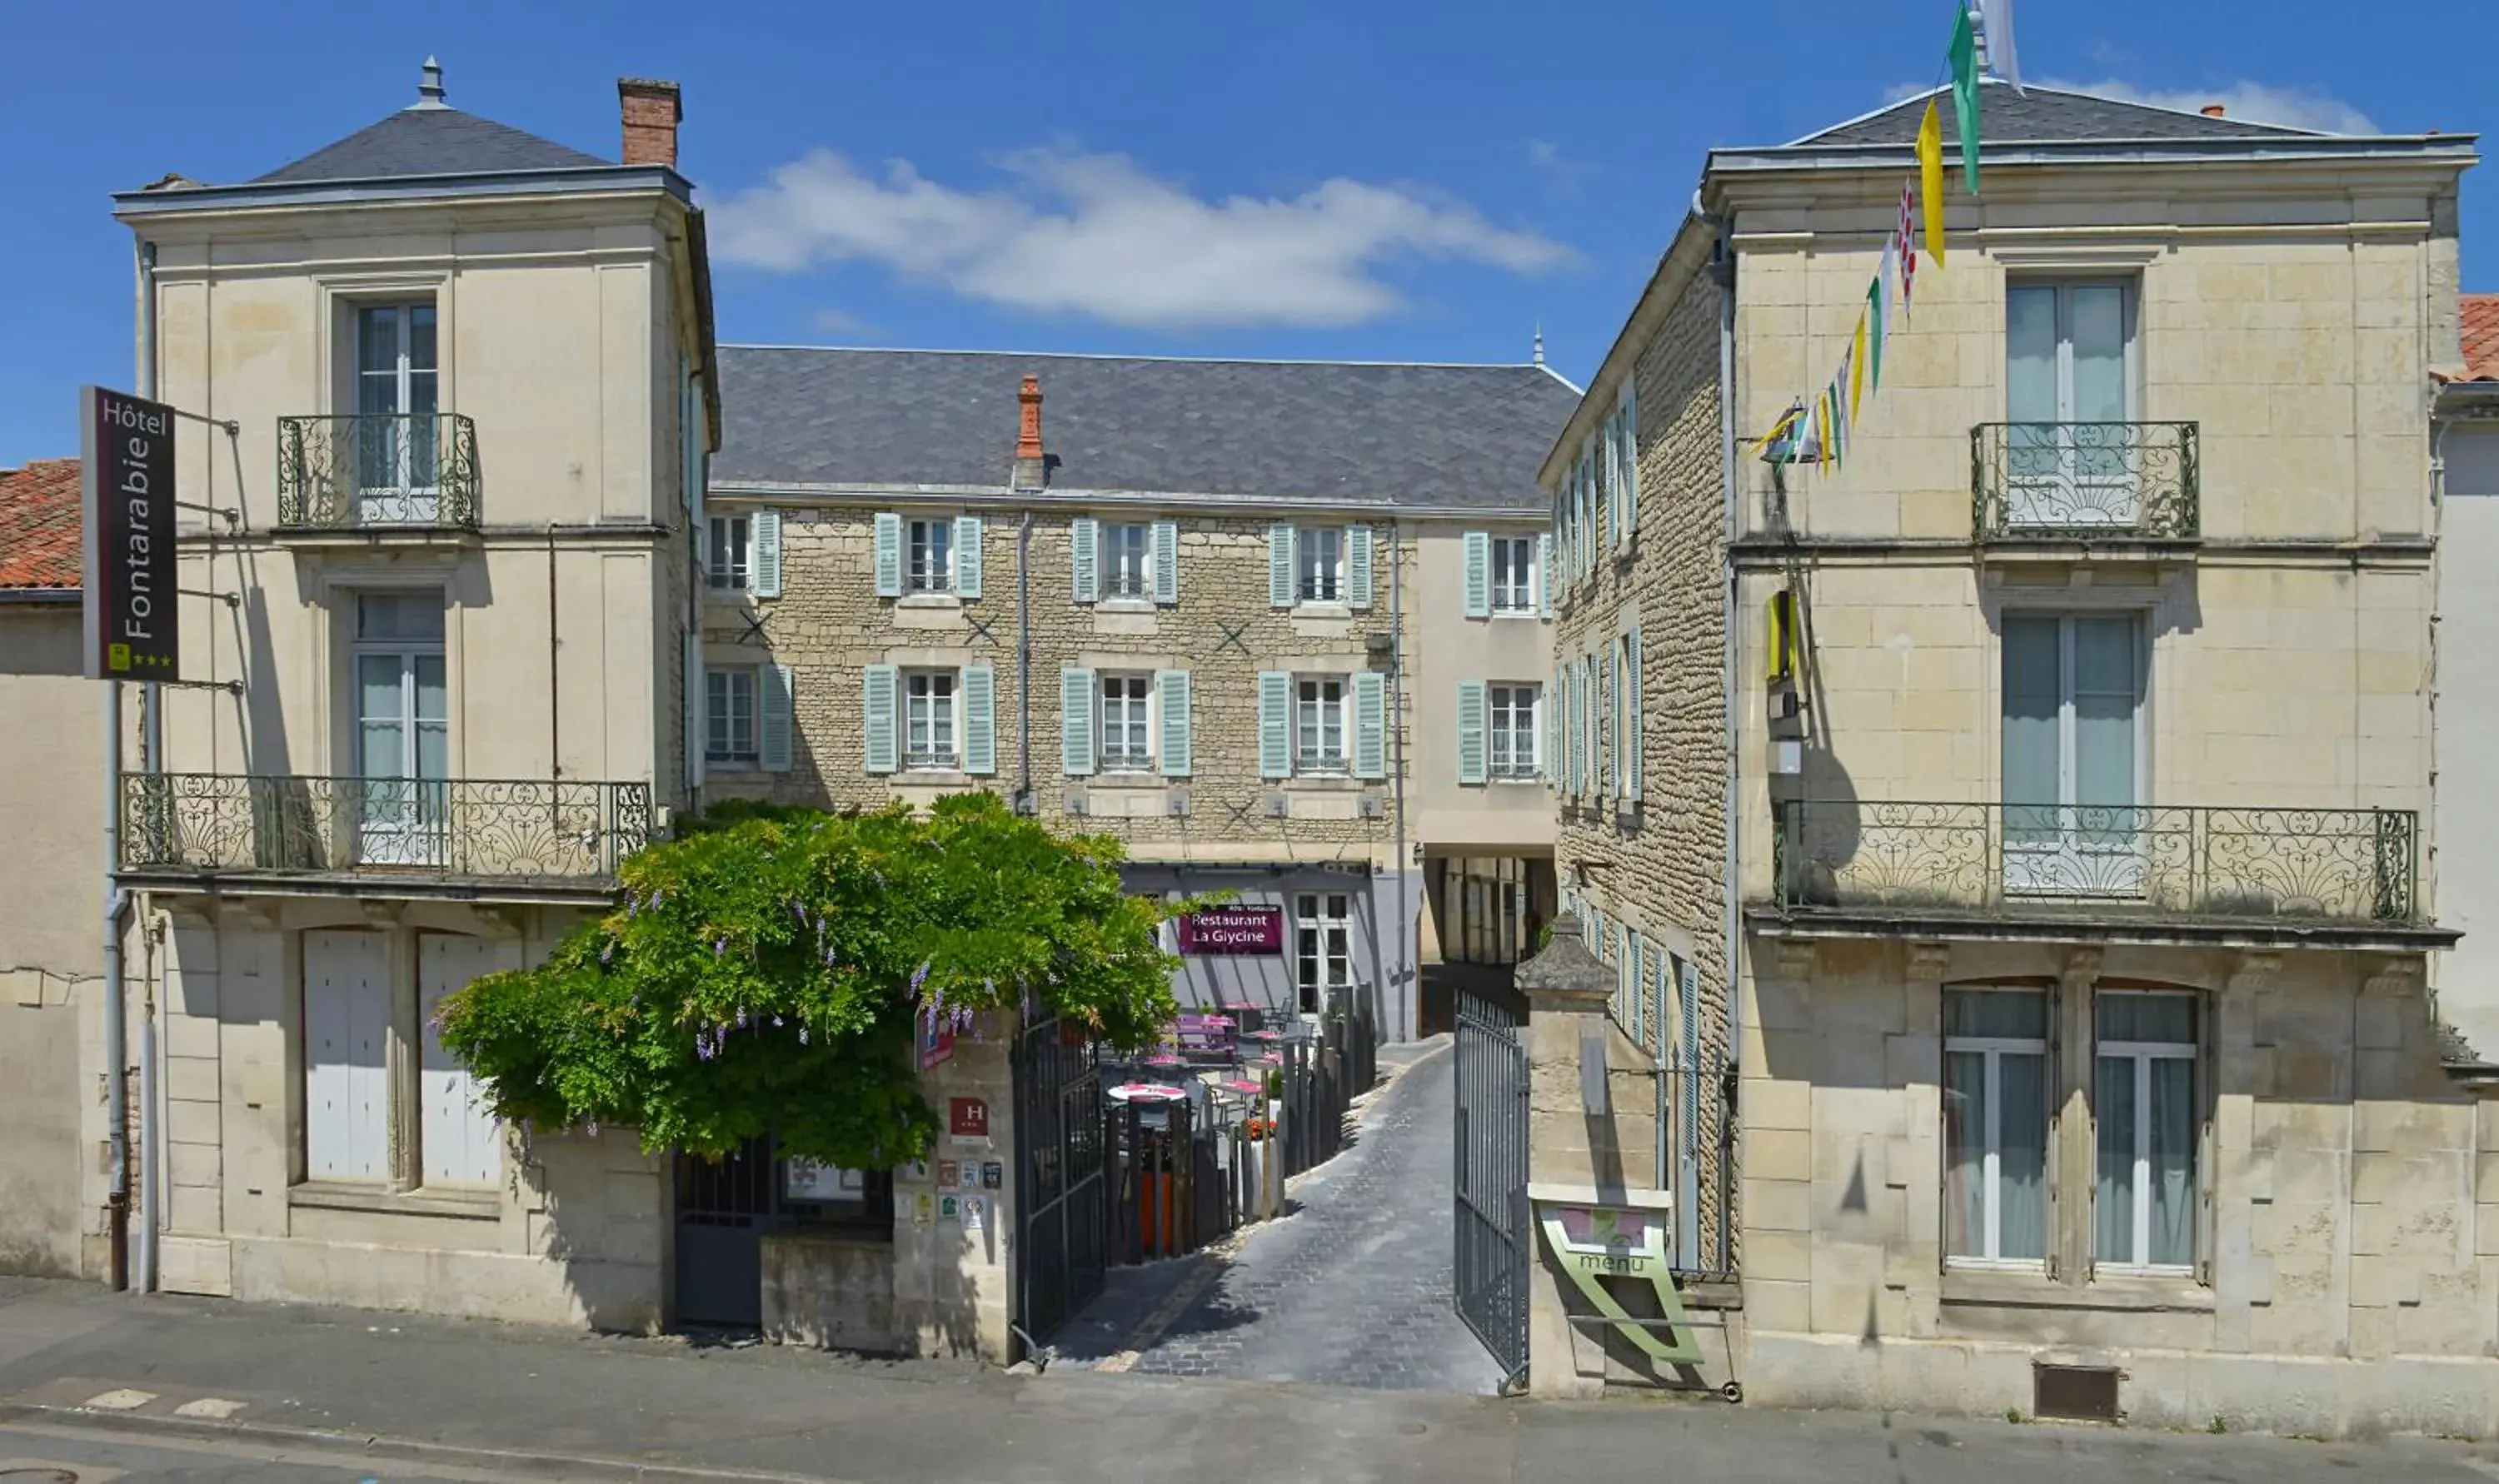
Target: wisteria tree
x,y
766,971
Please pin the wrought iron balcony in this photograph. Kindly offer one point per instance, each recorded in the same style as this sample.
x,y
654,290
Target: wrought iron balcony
x,y
2289,865
465,830
340,472
2085,481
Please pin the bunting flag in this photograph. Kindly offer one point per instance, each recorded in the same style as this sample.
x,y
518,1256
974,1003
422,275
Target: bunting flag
x,y
1964,52
1906,239
1995,24
1855,362
1874,328
1930,179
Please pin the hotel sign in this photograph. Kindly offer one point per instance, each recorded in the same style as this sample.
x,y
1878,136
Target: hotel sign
x,y
127,488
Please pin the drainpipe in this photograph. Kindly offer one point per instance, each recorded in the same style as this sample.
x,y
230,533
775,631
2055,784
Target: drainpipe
x,y
1024,803
116,1077
1722,269
151,760
1410,997
554,711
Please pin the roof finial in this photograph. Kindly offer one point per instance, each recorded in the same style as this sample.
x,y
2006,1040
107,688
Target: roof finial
x,y
1539,341
429,86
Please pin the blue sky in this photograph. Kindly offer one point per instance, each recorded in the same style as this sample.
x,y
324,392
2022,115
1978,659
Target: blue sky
x,y
1363,178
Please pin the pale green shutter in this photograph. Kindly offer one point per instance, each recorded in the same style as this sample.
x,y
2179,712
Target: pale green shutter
x,y
695,698
1473,721
878,720
1477,546
1370,725
1274,724
1548,706
1635,699
967,556
1076,721
1544,575
772,742
766,528
1084,548
889,555
1280,566
1630,420
1609,740
980,719
1167,565
1357,566
1171,697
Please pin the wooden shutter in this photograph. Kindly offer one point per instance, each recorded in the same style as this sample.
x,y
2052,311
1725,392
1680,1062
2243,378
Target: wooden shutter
x,y
1166,535
1084,557
967,556
773,724
1545,576
1628,421
1171,697
1280,566
877,722
980,719
1357,566
1633,703
1477,546
1274,724
889,555
1370,725
1076,721
765,528
1474,721
695,699
347,1029
459,1143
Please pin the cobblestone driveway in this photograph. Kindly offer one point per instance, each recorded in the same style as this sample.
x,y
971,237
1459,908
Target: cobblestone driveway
x,y
1351,1290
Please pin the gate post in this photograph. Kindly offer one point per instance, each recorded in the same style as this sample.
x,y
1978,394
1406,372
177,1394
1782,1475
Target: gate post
x,y
1592,1120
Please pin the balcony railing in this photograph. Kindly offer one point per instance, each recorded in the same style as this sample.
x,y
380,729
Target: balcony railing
x,y
236,823
2085,481
338,472
2312,865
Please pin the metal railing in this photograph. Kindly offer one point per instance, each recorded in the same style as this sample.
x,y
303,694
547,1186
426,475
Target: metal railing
x,y
2070,481
2359,865
377,470
463,829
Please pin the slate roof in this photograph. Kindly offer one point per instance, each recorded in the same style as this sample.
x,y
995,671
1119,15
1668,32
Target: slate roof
x,y
39,526
2039,116
2481,336
430,141
1436,436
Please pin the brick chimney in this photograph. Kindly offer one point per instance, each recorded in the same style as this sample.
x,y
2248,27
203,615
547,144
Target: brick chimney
x,y
1031,465
2214,111
651,111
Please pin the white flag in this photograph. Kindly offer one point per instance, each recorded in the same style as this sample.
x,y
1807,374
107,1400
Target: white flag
x,y
1995,24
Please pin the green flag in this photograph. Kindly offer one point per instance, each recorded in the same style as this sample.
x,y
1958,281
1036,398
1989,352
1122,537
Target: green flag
x,y
1964,67
1874,328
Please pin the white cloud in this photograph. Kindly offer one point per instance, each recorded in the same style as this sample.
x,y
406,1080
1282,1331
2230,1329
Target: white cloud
x,y
2294,107
1094,235
1562,173
841,322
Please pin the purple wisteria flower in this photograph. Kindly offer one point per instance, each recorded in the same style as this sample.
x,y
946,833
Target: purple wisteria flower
x,y
803,1035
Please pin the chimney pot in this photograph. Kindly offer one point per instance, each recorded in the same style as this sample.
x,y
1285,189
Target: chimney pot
x,y
650,109
429,86
2212,111
1031,466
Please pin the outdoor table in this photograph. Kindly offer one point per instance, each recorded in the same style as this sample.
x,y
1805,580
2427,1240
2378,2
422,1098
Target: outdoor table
x,y
1146,1092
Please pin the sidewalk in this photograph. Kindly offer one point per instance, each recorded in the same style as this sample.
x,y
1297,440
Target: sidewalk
x,y
561,1405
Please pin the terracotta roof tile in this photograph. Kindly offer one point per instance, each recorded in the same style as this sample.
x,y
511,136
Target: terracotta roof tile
x,y
2482,337
39,524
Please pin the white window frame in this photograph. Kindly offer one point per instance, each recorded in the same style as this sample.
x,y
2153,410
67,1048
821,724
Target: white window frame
x,y
721,749
1135,710
405,826
1319,572
928,556
925,711
1995,1048
1322,945
2142,1054
1504,699
404,499
2071,455
1313,712
2079,860
728,560
1517,598
1116,584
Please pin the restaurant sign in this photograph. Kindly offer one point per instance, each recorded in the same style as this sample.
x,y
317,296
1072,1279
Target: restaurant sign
x,y
1233,930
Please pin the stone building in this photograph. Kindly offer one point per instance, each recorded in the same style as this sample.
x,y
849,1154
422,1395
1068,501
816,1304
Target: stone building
x,y
2464,453
2036,807
1170,609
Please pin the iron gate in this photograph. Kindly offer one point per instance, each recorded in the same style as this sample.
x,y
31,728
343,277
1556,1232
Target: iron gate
x,y
1494,1237
724,1207
1064,1198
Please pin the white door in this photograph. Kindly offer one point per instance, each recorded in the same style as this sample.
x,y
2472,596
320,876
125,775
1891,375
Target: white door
x,y
401,731
347,1075
459,1141
397,463
2068,395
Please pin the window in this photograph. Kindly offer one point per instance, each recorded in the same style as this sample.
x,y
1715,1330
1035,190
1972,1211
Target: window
x,y
1514,574
402,728
2067,354
1995,1126
928,726
1322,946
2073,700
729,554
353,1026
1487,913
728,716
933,556
2143,1099
1318,725
397,393
1320,549
1513,731
1128,553
1125,735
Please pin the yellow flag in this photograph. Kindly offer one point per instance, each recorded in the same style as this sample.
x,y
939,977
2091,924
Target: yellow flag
x,y
1930,179
1857,367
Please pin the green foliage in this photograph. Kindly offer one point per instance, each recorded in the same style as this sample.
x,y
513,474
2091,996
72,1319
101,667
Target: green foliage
x,y
765,969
